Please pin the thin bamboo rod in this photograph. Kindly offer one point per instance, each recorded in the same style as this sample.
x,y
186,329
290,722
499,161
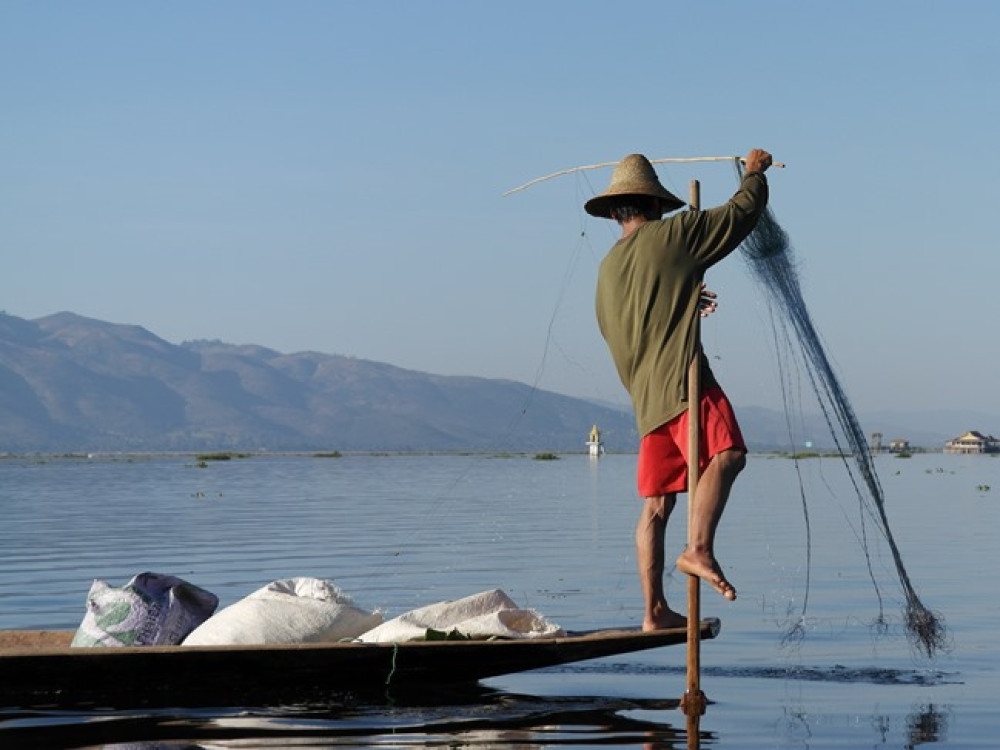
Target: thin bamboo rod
x,y
602,165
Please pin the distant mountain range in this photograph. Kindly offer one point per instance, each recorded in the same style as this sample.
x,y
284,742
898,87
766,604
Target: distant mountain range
x,y
69,383
74,384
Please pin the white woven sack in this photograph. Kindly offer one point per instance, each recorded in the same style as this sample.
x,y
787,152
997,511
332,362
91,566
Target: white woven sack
x,y
483,615
294,610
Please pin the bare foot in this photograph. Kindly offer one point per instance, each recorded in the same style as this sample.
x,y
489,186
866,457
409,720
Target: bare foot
x,y
707,569
664,618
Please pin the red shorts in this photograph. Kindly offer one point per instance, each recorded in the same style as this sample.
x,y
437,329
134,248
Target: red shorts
x,y
663,453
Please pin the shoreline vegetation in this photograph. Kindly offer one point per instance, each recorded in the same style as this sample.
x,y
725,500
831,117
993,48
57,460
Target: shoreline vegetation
x,y
231,455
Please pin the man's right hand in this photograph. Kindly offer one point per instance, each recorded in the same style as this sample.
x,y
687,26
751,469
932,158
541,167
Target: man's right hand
x,y
758,160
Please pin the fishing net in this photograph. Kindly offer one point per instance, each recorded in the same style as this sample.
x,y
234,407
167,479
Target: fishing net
x,y
769,256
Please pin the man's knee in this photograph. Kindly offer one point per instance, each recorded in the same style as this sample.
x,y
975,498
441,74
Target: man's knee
x,y
659,506
731,462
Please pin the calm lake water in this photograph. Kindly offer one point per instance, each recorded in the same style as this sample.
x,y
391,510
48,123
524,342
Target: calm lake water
x,y
398,532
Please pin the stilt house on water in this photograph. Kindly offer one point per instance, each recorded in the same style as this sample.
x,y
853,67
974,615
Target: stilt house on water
x,y
973,442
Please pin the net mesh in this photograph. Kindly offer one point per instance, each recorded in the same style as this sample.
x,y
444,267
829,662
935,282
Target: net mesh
x,y
770,258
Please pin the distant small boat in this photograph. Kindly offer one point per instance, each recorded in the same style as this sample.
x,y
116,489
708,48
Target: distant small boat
x,y
41,670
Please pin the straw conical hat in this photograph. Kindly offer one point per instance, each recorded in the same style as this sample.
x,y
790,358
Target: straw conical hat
x,y
634,175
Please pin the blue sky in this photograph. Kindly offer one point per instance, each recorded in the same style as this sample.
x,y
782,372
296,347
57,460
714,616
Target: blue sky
x,y
328,176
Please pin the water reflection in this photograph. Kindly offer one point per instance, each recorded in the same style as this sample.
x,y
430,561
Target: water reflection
x,y
926,726
493,720
481,717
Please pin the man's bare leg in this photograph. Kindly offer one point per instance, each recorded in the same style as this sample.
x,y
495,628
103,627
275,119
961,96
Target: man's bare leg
x,y
698,559
650,535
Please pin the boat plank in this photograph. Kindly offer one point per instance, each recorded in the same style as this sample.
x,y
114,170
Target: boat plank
x,y
40,668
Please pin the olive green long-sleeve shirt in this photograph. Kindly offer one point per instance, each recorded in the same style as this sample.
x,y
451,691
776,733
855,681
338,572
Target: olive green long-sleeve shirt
x,y
648,289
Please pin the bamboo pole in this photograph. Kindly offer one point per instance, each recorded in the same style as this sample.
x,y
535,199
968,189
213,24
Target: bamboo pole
x,y
693,701
602,165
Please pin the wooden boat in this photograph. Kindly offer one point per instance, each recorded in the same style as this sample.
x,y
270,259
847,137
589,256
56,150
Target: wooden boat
x,y
39,669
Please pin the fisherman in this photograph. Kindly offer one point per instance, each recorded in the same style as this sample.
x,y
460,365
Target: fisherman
x,y
649,292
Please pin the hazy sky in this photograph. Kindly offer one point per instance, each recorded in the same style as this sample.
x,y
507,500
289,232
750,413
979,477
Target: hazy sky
x,y
328,176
